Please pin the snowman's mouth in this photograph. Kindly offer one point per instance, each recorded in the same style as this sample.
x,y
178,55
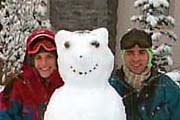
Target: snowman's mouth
x,y
74,70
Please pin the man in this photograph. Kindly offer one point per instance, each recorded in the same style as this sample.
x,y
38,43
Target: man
x,y
147,94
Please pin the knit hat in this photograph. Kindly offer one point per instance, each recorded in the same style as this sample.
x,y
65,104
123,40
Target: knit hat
x,y
136,37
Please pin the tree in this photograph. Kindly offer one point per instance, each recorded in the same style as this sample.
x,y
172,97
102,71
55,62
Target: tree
x,y
156,21
18,19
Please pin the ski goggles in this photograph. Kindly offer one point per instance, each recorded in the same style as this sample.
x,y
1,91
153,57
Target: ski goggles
x,y
141,42
136,37
47,45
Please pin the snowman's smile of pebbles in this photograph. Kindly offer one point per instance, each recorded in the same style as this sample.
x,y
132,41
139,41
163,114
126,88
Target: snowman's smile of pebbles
x,y
74,70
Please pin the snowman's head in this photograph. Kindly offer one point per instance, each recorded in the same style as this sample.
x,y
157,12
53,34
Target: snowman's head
x,y
84,57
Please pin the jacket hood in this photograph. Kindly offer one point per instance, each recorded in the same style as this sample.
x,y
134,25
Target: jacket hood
x,y
40,32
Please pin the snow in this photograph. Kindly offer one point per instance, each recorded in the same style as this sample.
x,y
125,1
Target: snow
x,y
170,60
139,2
155,3
19,18
2,56
156,36
41,10
86,94
173,35
171,19
158,3
153,20
174,75
1,88
137,17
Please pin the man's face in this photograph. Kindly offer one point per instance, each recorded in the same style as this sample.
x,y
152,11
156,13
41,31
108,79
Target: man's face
x,y
45,63
136,59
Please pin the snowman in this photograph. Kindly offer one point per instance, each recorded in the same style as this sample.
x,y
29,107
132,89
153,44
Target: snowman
x,y
85,63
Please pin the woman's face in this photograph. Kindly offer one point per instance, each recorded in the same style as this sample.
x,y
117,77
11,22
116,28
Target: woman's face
x,y
45,64
136,59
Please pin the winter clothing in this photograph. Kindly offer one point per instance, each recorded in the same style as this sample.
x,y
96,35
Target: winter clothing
x,y
135,80
140,38
37,34
31,93
159,99
136,36
42,42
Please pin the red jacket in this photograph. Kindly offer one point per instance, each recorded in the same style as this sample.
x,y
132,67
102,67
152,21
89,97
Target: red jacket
x,y
29,95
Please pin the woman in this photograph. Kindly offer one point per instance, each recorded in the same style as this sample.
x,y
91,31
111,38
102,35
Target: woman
x,y
39,79
147,94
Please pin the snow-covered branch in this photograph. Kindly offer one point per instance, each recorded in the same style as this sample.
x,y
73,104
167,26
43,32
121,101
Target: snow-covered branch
x,y
155,19
18,19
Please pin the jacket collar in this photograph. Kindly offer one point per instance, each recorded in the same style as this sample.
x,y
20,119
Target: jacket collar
x,y
149,84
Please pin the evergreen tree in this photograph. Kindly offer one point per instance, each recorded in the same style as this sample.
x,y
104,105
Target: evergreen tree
x,y
18,19
154,18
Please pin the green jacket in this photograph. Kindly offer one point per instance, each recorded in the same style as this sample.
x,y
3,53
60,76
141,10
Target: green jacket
x,y
159,99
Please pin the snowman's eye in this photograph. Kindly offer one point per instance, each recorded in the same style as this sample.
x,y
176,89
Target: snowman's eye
x,y
95,43
67,44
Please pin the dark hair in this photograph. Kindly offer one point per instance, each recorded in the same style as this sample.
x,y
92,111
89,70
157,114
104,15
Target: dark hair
x,y
136,37
30,58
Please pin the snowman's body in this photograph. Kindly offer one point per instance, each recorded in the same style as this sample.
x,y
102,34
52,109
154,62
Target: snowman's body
x,y
85,64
